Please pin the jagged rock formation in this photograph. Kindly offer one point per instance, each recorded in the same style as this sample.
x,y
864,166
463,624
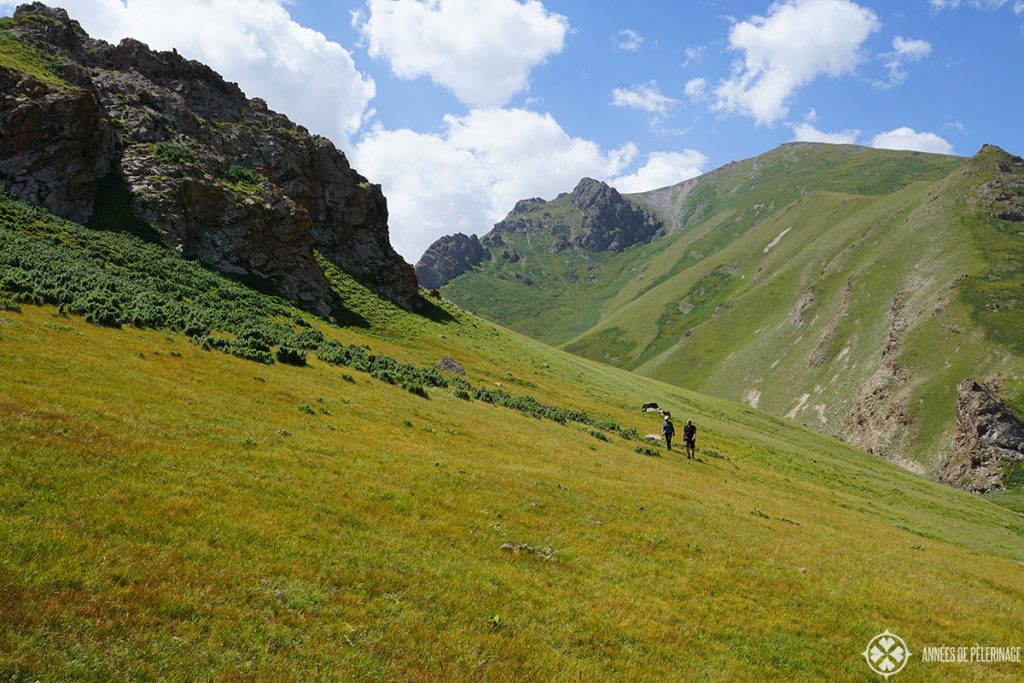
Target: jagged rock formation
x,y
610,223
988,442
597,218
594,216
448,258
220,178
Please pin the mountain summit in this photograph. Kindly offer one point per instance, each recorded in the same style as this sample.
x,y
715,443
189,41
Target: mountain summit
x,y
593,217
92,130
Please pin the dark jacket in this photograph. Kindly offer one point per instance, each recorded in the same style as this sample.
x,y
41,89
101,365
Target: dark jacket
x,y
668,428
689,432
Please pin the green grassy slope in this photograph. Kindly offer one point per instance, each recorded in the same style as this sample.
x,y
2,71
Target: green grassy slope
x,y
169,511
788,277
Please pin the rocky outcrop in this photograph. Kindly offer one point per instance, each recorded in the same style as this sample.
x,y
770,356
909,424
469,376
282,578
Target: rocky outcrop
x,y
988,442
220,178
448,258
593,216
610,223
1003,196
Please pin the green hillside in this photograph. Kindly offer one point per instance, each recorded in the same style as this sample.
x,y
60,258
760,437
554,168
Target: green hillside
x,y
843,287
200,482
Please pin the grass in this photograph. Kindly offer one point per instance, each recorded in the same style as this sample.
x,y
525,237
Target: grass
x,y
172,512
18,56
713,307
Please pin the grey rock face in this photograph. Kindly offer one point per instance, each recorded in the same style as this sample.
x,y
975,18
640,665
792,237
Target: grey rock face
x,y
448,258
220,177
989,440
55,144
610,223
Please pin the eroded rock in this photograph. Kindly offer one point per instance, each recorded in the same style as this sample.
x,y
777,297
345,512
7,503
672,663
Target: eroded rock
x,y
988,442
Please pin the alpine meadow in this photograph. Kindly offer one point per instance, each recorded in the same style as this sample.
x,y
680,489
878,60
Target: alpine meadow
x,y
242,438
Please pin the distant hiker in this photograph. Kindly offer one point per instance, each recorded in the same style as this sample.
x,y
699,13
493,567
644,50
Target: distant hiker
x,y
690,439
668,430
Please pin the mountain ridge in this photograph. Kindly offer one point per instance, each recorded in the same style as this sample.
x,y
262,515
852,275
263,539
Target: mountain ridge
x,y
92,128
806,281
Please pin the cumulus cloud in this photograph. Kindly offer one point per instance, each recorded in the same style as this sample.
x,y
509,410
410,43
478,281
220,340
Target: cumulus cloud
x,y
797,42
256,43
910,139
903,50
629,40
471,174
646,98
696,89
662,169
482,51
806,132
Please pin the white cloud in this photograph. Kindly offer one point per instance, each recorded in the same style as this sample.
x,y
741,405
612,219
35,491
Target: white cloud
x,y
694,54
646,98
1018,7
256,43
974,4
696,89
797,42
903,50
629,40
908,138
482,51
470,175
910,48
806,132
662,169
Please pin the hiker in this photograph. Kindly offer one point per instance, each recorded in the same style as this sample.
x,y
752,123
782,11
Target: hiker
x,y
668,430
690,439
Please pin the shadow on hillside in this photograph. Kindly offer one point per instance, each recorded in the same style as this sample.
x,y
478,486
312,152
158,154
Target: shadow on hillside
x,y
432,311
344,316
112,211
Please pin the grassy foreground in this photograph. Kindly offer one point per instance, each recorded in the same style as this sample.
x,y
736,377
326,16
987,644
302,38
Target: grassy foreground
x,y
173,513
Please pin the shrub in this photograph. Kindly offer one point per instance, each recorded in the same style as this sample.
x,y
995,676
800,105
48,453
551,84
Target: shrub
x,y
173,152
241,174
463,394
290,356
600,436
306,408
416,389
647,450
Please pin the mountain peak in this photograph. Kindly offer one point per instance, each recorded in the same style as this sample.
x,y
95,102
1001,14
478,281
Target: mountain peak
x,y
118,135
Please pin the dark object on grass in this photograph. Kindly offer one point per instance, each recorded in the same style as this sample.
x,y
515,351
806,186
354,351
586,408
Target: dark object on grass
x,y
449,364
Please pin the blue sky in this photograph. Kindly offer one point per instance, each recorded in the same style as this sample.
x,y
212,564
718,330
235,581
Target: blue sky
x,y
461,107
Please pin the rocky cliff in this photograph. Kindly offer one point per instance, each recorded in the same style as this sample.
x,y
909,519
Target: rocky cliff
x,y
609,222
217,176
988,443
448,258
594,217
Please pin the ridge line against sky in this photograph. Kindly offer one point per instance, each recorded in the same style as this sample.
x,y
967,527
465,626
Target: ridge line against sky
x,y
461,107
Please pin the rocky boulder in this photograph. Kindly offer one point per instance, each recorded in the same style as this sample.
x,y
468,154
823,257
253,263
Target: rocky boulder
x,y
219,177
448,258
988,442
